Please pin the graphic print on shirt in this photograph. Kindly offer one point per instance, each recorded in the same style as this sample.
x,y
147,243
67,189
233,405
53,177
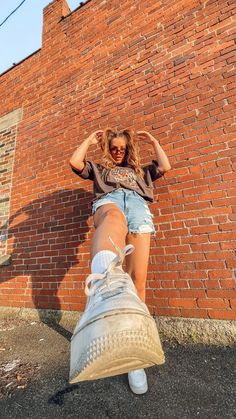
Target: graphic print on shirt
x,y
124,175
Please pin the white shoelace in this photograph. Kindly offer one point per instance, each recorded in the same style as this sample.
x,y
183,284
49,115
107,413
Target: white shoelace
x,y
93,284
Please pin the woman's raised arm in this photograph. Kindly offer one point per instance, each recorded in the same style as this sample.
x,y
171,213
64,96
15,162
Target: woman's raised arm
x,y
162,159
77,158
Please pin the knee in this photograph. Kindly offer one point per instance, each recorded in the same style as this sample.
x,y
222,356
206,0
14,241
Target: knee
x,y
116,218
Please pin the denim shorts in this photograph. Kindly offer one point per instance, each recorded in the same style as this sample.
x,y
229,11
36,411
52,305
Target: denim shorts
x,y
133,206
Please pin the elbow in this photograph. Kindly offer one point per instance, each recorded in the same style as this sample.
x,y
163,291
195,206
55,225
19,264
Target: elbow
x,y
164,169
71,164
77,166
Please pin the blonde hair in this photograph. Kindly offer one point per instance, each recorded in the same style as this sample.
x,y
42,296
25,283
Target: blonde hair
x,y
132,158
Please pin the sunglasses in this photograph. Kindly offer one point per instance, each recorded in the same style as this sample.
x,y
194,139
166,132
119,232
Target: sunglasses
x,y
117,150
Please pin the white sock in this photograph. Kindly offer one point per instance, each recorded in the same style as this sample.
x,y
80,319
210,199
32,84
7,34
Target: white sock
x,y
102,260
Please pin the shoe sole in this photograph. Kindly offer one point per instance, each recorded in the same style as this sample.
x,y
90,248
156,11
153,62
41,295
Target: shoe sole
x,y
138,390
130,341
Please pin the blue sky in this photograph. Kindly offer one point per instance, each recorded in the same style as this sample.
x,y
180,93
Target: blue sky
x,y
21,34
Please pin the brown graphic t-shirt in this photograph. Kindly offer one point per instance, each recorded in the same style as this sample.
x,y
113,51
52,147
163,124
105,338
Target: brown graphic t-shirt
x,y
106,180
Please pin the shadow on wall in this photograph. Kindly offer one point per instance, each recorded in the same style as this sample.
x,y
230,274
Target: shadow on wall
x,y
45,247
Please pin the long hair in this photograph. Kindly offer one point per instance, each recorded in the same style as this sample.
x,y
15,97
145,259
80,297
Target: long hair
x,y
131,159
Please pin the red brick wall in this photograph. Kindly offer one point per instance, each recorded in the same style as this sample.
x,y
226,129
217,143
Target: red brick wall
x,y
167,67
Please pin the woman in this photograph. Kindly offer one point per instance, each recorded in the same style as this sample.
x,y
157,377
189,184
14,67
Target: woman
x,y
122,189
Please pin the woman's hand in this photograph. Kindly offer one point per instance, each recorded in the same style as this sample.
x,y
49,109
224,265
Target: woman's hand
x,y
95,137
146,136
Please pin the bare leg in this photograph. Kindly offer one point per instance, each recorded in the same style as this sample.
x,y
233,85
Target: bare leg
x,y
137,262
108,220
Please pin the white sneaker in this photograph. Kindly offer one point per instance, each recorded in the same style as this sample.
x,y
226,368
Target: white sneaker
x,y
116,333
138,381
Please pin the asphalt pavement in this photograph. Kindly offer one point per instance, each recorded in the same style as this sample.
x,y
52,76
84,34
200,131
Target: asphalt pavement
x,y
196,381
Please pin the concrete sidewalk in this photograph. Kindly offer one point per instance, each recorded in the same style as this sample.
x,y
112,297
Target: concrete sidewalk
x,y
195,382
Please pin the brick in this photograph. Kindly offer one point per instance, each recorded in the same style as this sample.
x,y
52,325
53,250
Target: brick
x,y
194,313
162,311
228,283
180,302
222,314
181,284
213,303
221,293
192,293
166,293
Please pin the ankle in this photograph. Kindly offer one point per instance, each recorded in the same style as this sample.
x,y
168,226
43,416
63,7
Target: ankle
x,y
101,261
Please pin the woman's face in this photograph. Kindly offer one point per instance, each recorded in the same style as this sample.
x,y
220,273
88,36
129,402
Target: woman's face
x,y
118,149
